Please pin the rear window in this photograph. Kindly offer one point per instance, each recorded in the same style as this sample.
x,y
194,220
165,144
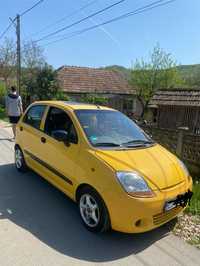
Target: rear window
x,y
34,116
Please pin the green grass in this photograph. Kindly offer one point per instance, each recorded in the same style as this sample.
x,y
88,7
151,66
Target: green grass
x,y
195,241
194,207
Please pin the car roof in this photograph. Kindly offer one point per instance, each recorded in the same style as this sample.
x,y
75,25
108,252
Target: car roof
x,y
75,105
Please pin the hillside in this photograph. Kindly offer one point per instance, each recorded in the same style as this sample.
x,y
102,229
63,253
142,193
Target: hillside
x,y
189,73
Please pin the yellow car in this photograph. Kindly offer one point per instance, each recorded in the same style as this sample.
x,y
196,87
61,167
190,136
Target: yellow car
x,y
119,177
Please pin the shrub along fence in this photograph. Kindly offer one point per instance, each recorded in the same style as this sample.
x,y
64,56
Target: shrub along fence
x,y
182,143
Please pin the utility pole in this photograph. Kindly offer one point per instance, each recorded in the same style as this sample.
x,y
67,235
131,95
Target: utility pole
x,y
18,54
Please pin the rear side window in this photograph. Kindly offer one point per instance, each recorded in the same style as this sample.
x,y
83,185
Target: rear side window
x,y
34,116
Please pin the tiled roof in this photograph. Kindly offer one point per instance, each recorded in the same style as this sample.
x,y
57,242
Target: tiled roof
x,y
178,97
92,80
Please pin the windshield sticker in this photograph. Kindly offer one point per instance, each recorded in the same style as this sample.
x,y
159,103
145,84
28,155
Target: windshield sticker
x,y
93,138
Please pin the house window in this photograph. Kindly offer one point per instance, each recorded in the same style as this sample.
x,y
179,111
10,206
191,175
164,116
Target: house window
x,y
128,106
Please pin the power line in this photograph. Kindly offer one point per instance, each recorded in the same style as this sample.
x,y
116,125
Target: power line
x,y
29,9
22,14
4,32
65,17
81,20
132,13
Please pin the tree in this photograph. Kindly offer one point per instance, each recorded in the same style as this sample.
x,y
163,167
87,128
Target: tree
x,y
159,72
33,62
32,56
43,85
7,61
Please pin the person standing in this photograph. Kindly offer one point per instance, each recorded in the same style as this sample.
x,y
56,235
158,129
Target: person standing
x,y
14,108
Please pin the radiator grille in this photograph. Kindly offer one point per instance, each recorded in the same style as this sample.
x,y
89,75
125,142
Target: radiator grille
x,y
166,216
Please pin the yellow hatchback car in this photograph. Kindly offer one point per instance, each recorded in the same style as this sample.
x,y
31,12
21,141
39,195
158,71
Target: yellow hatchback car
x,y
120,178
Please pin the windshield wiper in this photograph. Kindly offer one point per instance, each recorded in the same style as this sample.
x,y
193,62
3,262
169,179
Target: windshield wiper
x,y
107,144
138,142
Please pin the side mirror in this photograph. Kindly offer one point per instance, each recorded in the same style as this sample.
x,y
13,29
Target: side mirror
x,y
62,136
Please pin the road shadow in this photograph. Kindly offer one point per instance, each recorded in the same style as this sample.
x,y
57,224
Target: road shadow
x,y
32,203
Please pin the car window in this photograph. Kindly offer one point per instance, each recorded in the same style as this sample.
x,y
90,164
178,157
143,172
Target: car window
x,y
57,119
34,116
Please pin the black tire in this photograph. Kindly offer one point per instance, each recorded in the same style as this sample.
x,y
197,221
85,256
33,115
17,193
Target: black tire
x,y
20,163
103,224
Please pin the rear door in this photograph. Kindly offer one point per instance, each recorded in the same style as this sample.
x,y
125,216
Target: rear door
x,y
30,133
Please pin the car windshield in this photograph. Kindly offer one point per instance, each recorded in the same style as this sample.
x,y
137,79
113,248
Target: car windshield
x,y
108,128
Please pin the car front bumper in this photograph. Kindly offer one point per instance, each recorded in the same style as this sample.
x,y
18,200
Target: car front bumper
x,y
136,215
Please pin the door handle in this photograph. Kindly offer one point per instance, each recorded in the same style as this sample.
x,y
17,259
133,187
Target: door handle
x,y
43,140
21,128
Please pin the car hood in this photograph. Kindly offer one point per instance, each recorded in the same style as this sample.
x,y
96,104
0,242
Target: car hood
x,y
158,166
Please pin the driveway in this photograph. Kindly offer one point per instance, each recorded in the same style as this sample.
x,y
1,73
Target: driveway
x,y
40,226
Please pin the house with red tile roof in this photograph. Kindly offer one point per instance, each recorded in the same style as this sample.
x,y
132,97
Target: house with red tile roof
x,y
79,81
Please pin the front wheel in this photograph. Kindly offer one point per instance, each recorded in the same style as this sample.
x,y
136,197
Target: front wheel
x,y
20,163
93,211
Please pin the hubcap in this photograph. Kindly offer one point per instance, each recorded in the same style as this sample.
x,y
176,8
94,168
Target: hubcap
x,y
18,158
89,210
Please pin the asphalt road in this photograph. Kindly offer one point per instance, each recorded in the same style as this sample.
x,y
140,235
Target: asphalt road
x,y
40,226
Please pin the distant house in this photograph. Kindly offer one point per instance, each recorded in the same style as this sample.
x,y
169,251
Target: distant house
x,y
79,81
177,108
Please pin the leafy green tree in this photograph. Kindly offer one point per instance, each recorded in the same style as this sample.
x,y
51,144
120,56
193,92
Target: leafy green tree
x,y
33,61
43,85
159,72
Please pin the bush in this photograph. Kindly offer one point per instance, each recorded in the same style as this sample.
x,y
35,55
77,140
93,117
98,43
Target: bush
x,y
2,112
61,96
2,93
94,99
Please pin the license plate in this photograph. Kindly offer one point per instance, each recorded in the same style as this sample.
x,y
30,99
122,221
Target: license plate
x,y
181,200
169,206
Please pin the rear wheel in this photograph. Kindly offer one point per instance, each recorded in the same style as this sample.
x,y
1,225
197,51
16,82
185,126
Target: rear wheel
x,y
93,211
20,163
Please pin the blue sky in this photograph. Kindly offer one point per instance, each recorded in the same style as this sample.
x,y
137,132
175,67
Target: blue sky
x,y
176,27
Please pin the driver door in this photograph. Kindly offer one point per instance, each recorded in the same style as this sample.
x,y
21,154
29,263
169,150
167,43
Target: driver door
x,y
60,160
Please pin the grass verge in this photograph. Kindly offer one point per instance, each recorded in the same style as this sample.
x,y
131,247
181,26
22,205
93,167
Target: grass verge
x,y
194,207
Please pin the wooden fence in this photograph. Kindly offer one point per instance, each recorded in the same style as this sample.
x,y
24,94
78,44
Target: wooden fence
x,y
172,117
182,143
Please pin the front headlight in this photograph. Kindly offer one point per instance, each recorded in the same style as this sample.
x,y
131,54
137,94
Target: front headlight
x,y
134,184
184,168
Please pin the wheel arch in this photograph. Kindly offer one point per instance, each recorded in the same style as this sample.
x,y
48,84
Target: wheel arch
x,y
80,187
